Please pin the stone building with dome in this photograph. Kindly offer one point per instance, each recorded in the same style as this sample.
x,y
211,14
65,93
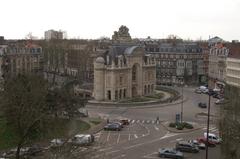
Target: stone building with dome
x,y
124,71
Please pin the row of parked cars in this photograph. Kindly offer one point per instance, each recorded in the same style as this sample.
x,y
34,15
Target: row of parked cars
x,y
77,140
116,125
192,146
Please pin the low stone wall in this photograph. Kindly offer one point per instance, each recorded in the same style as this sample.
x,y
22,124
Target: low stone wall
x,y
174,96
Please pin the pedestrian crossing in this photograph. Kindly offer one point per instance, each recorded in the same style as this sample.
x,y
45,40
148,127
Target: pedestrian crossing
x,y
143,121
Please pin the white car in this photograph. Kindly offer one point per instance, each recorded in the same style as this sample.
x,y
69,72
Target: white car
x,y
213,138
82,139
220,101
56,142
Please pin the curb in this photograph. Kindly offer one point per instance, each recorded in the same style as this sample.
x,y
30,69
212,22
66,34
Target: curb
x,y
173,130
139,106
95,129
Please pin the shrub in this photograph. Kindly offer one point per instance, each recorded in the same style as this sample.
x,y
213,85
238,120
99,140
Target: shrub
x,y
179,126
172,125
188,126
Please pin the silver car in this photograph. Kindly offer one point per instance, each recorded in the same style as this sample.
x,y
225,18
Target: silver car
x,y
170,153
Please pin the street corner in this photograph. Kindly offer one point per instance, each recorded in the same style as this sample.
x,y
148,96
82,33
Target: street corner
x,y
166,125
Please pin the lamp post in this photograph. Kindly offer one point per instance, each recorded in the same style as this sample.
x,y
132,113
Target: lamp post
x,y
182,103
208,119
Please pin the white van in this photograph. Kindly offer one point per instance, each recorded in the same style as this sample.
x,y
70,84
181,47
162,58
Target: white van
x,y
213,138
82,139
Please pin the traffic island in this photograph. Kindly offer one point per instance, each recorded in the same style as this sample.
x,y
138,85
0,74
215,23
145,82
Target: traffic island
x,y
183,127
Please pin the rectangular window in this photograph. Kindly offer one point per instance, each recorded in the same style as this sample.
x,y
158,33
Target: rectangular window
x,y
109,94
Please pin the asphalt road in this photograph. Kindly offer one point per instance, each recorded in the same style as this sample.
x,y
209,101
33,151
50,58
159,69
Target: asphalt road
x,y
144,136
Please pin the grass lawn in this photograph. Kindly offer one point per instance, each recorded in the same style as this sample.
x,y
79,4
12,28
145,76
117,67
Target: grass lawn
x,y
55,128
7,135
95,121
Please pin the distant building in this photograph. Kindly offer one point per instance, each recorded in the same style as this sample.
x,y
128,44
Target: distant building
x,y
217,65
2,41
124,71
19,59
177,61
233,65
52,34
215,40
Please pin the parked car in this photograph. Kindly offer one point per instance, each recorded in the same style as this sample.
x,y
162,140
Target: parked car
x,y
220,101
118,122
202,105
199,91
213,138
170,153
113,126
82,139
201,146
204,140
124,121
56,142
186,147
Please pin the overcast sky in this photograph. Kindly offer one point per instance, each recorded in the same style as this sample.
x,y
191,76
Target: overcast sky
x,y
188,19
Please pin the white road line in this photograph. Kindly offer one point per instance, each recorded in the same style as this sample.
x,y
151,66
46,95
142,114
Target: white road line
x,y
135,135
118,138
112,152
156,128
129,137
108,136
143,121
120,156
109,148
133,121
148,121
179,139
150,155
153,121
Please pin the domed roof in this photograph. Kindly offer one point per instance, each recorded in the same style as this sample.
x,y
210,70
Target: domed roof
x,y
100,60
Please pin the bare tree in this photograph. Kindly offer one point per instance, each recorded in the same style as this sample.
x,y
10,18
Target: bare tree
x,y
24,102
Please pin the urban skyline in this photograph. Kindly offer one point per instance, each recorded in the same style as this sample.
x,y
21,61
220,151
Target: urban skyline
x,y
93,19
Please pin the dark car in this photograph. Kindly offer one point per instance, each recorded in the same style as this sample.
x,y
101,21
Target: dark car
x,y
204,140
186,147
170,153
113,126
200,145
202,105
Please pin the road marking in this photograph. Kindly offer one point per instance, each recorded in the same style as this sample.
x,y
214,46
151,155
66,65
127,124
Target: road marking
x,y
150,155
179,139
135,135
148,121
108,136
138,121
112,152
153,121
118,138
143,121
129,137
109,148
156,128
121,156
133,121
155,140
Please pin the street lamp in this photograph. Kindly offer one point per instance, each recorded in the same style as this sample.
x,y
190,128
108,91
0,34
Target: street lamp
x,y
182,103
208,118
